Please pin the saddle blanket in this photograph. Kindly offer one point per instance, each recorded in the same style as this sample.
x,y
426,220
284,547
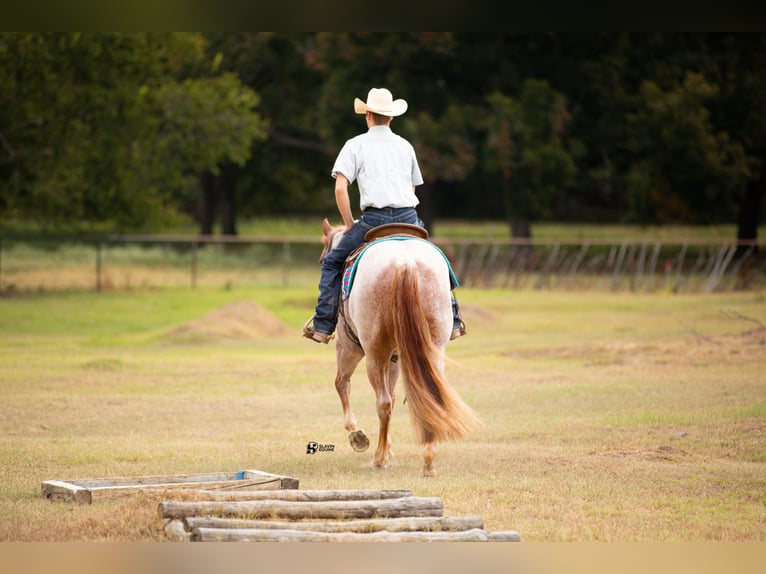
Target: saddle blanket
x,y
350,271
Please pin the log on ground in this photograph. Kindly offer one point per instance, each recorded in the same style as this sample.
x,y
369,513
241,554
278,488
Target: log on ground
x,y
274,509
260,535
426,524
301,495
504,536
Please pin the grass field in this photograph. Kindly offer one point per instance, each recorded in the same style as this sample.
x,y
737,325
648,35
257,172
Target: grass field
x,y
612,417
285,250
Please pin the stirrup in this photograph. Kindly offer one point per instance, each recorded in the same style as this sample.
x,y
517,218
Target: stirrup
x,y
459,332
310,333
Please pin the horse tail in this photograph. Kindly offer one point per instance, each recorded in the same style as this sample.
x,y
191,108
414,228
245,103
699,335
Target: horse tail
x,y
437,412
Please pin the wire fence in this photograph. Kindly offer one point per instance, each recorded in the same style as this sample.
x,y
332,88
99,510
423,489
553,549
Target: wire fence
x,y
125,262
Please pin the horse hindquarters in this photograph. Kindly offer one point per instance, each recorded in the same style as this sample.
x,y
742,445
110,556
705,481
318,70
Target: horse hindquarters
x,y
438,413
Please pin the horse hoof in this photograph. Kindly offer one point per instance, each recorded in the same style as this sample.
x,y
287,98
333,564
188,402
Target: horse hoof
x,y
359,441
429,472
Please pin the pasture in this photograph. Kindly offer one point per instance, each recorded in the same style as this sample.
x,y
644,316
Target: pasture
x,y
607,416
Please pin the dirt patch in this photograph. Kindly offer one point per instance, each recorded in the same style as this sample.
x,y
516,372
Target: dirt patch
x,y
738,347
666,453
241,320
475,314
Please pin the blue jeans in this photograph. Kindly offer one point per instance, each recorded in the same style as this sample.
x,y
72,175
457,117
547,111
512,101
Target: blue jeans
x,y
326,312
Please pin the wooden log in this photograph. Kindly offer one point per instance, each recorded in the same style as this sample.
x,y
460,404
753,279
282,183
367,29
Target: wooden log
x,y
301,495
504,536
391,508
429,524
259,535
176,531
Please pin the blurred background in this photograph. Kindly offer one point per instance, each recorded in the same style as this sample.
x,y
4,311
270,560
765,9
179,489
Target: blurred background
x,y
654,139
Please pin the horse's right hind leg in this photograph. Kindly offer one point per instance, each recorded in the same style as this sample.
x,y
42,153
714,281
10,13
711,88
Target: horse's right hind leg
x,y
428,459
349,354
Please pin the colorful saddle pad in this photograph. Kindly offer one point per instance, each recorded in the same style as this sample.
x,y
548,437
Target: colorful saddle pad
x,y
350,271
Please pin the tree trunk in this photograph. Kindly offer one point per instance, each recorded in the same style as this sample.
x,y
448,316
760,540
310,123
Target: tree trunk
x,y
292,510
749,212
207,203
227,182
520,225
520,228
426,206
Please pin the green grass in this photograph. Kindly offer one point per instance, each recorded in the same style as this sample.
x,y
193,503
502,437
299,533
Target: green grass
x,y
607,416
311,226
41,264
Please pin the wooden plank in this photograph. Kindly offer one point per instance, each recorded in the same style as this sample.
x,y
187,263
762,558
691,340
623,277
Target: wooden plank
x,y
302,495
260,535
288,482
156,479
391,508
58,490
404,524
87,490
108,492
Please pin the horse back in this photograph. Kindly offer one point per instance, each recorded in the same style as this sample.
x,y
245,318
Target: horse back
x,y
371,299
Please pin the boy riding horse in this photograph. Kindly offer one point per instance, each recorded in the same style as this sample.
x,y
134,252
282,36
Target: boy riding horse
x,y
386,169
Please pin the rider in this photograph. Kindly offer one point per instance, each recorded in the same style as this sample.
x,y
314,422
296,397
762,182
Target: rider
x,y
386,169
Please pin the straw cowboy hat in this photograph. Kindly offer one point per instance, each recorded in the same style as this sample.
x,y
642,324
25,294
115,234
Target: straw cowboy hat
x,y
380,101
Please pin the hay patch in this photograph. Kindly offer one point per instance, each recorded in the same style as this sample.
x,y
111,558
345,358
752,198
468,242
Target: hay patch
x,y
238,321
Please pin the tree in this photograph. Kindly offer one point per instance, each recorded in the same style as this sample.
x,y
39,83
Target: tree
x,y
127,129
527,151
737,64
112,129
447,152
289,171
683,170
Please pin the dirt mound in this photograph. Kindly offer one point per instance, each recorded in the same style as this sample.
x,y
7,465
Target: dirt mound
x,y
475,314
241,320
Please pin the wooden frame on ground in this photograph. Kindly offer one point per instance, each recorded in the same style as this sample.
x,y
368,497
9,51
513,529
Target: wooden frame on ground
x,y
86,491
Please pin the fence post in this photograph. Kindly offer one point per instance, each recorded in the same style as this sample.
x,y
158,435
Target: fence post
x,y
285,263
98,266
194,265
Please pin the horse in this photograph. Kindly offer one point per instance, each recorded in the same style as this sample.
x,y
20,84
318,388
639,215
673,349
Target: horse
x,y
398,314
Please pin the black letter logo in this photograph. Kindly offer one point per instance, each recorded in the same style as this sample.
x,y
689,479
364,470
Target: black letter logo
x,y
311,448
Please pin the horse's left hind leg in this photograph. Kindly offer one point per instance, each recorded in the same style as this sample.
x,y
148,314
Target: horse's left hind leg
x,y
349,354
378,372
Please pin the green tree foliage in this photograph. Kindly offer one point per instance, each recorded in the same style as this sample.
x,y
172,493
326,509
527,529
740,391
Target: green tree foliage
x,y
682,169
126,129
110,129
527,150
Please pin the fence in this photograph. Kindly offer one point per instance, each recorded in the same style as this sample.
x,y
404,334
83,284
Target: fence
x,y
38,264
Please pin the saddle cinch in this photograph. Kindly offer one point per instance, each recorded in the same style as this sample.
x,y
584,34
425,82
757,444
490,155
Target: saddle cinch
x,y
386,231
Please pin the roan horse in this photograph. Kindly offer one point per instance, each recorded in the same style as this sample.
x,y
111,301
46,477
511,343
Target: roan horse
x,y
399,311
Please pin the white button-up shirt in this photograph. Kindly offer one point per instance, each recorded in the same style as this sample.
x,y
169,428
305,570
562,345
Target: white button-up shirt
x,y
384,165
